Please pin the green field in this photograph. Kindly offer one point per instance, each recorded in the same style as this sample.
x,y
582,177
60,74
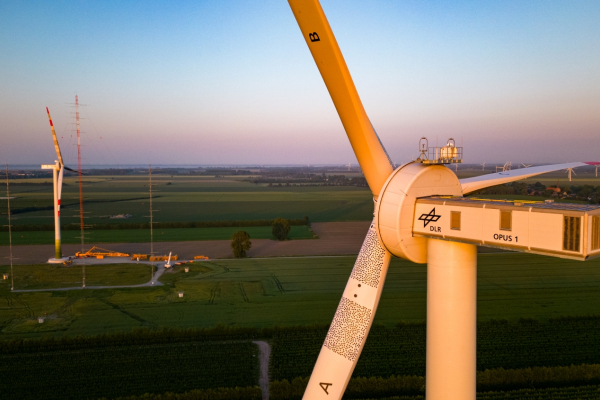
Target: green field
x,y
183,198
295,291
114,371
205,198
48,276
143,235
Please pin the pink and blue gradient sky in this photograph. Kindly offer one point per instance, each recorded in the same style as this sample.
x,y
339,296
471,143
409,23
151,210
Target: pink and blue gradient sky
x,y
232,82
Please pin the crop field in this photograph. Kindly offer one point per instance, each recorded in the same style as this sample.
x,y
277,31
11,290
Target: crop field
x,y
401,350
49,276
113,371
143,235
205,198
186,199
292,291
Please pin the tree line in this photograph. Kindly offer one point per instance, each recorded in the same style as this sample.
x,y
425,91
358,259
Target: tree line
x,y
584,193
157,225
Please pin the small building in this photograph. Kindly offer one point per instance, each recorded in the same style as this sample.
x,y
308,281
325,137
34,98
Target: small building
x,y
187,269
5,276
180,294
40,320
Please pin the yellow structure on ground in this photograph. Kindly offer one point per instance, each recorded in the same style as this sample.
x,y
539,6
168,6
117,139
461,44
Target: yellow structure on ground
x,y
101,253
162,258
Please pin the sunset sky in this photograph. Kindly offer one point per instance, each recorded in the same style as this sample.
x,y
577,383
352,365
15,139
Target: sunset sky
x,y
233,82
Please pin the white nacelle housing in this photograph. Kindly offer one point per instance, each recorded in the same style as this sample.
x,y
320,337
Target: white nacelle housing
x,y
395,208
556,229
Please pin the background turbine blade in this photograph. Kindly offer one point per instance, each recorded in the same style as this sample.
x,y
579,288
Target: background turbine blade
x,y
60,160
321,42
481,182
351,323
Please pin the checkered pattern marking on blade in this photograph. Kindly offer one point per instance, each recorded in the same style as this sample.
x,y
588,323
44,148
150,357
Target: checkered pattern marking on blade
x,y
367,268
348,329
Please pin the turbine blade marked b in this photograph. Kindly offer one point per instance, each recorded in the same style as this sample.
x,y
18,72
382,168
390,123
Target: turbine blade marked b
x,y
371,155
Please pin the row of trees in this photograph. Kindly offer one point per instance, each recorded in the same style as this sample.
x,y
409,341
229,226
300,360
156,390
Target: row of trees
x,y
495,379
585,192
159,225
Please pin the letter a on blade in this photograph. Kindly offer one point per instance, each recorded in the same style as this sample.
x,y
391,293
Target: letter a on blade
x,y
351,323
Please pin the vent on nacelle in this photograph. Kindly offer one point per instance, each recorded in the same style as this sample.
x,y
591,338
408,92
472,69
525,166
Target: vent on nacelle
x,y
571,233
595,233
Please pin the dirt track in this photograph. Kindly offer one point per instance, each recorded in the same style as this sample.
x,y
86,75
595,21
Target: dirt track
x,y
335,238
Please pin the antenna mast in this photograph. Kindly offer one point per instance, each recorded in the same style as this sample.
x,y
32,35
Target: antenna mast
x,y
79,169
12,279
151,236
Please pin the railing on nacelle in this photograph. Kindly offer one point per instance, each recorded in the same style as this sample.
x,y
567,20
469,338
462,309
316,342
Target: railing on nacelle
x,y
442,155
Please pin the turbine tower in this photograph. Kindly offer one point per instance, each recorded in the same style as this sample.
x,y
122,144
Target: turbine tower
x,y
57,177
401,231
569,170
483,167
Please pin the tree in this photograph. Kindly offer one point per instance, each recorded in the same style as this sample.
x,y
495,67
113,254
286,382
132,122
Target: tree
x,y
280,228
240,243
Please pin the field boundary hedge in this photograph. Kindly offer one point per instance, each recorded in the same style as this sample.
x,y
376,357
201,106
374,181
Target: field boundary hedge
x,y
155,225
499,379
237,393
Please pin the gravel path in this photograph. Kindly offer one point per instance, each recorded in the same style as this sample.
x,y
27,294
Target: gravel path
x,y
265,355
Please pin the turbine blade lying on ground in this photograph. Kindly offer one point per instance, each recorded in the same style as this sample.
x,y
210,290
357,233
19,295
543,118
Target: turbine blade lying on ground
x,y
481,182
372,157
351,323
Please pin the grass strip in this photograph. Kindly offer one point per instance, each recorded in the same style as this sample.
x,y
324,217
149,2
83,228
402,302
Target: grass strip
x,y
143,235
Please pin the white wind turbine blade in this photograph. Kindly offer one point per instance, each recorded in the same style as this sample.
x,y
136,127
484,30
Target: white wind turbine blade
x,y
58,154
60,161
351,323
370,153
356,311
481,182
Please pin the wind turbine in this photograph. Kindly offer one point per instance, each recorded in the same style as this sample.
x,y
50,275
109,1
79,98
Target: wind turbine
x,y
451,265
569,170
526,166
57,177
483,167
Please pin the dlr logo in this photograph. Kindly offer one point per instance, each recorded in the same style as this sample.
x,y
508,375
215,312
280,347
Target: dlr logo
x,y
435,228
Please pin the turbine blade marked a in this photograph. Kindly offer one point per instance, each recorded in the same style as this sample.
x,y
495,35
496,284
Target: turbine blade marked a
x,y
60,160
351,323
371,155
483,181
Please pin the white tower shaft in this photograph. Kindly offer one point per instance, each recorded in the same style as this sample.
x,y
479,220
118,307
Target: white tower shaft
x,y
451,320
57,180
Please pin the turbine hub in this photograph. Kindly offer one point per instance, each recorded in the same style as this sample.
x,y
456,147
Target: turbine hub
x,y
395,207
